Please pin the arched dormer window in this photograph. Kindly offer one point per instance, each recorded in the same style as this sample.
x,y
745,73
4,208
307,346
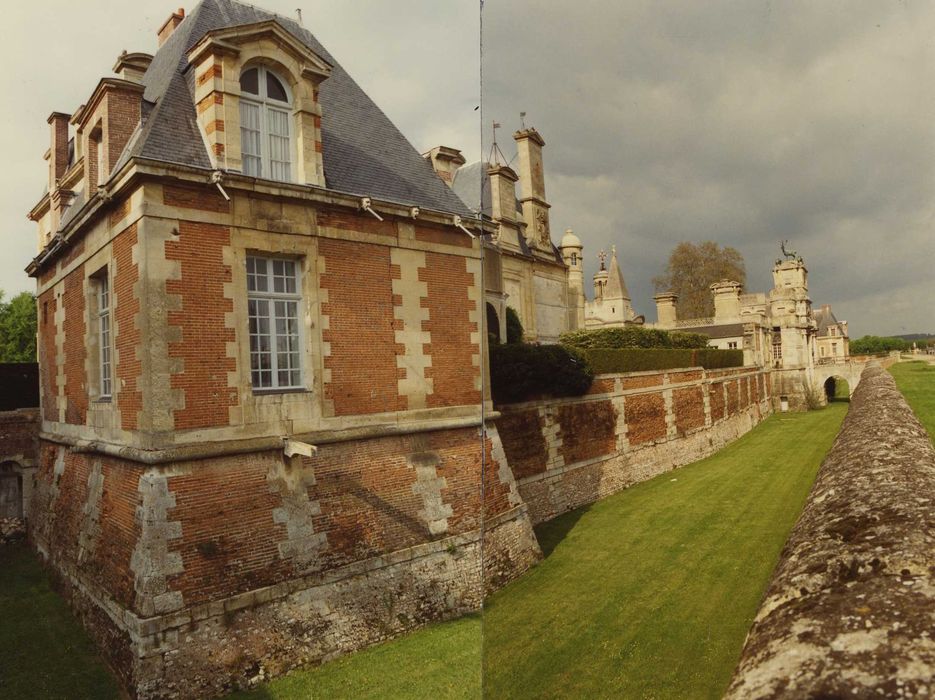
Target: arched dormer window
x,y
265,116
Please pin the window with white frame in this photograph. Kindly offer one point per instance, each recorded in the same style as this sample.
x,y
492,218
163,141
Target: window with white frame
x,y
101,284
273,299
265,118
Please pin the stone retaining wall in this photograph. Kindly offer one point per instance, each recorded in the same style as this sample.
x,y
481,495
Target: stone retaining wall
x,y
566,453
200,576
850,610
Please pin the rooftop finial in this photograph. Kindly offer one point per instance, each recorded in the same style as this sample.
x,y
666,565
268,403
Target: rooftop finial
x,y
602,256
522,119
495,152
298,12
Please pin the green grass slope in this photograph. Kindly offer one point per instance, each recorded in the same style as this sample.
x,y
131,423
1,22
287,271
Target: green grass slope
x,y
916,381
650,593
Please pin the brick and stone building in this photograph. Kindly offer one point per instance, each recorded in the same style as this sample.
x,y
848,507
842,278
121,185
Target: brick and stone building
x,y
260,336
540,281
778,330
611,305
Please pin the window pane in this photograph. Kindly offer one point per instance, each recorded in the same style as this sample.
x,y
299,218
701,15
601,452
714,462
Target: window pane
x,y
250,138
275,89
250,81
275,354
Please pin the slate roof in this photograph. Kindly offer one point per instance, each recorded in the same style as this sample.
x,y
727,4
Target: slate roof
x,y
616,287
825,318
364,153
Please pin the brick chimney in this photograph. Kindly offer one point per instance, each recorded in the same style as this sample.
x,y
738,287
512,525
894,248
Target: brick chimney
x,y
445,162
175,19
58,152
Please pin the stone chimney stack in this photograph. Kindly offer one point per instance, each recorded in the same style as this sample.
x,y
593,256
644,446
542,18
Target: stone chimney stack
x,y
726,299
532,185
175,19
445,162
502,192
666,315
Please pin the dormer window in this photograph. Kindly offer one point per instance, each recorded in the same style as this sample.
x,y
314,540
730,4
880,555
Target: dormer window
x,y
265,117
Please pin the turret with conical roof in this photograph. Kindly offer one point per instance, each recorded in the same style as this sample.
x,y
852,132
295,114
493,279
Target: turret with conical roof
x,y
611,305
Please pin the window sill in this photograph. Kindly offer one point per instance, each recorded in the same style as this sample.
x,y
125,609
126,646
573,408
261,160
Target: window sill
x,y
276,392
103,399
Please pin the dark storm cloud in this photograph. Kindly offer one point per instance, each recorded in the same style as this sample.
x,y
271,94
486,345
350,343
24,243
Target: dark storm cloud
x,y
745,123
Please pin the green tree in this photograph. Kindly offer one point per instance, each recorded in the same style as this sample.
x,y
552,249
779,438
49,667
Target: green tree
x,y
18,328
871,344
514,327
692,269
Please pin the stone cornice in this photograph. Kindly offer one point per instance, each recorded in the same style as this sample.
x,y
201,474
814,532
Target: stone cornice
x,y
228,40
137,169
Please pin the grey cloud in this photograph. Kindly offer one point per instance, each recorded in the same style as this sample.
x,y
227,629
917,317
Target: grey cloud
x,y
742,122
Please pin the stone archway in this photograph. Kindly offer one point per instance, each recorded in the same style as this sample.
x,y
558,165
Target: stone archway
x,y
11,491
837,389
493,324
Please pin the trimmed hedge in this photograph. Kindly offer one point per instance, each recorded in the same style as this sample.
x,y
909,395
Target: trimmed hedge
x,y
616,360
514,327
521,372
632,337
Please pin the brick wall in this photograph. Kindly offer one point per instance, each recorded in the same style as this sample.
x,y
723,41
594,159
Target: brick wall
x,y
126,308
566,453
688,405
203,333
123,116
19,432
526,449
48,370
453,372
76,383
588,430
360,330
362,541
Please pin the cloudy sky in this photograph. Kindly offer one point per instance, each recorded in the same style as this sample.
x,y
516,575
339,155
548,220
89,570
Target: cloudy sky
x,y
740,122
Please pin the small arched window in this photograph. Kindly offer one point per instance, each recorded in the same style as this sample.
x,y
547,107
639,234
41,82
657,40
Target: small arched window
x,y
265,115
574,258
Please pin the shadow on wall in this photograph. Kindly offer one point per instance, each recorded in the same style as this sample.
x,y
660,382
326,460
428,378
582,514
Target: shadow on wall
x,y
551,532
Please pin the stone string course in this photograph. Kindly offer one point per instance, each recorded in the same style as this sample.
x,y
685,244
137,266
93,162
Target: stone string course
x,y
850,610
566,453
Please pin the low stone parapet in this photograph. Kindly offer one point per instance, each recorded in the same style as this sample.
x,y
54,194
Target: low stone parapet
x,y
850,610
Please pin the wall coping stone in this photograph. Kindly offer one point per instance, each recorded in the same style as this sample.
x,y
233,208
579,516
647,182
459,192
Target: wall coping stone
x,y
850,609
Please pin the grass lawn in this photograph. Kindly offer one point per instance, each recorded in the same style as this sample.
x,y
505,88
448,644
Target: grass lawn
x,y
440,661
650,593
44,652
916,380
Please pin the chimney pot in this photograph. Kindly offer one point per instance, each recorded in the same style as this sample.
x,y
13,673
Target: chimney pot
x,y
175,19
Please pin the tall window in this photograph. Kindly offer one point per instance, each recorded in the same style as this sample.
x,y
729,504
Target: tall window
x,y
102,293
273,309
265,116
